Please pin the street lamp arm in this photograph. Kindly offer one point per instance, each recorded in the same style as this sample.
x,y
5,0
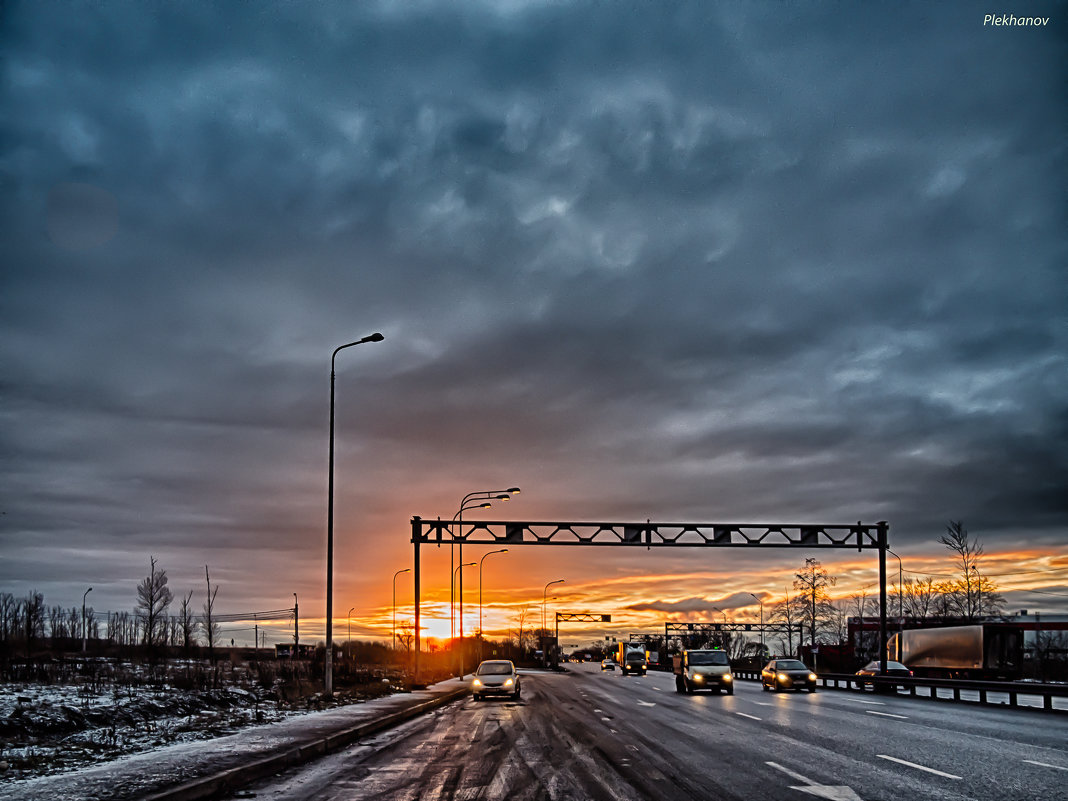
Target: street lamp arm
x,y
376,337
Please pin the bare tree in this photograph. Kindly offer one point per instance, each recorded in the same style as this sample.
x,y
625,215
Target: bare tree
x,y
521,634
919,597
785,611
187,623
811,582
153,600
32,616
57,623
211,627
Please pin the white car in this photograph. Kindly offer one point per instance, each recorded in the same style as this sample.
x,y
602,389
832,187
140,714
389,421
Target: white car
x,y
495,677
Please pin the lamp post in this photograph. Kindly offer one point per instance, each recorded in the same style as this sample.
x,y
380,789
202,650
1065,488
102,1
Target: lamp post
x,y
460,662
544,634
85,630
349,639
484,495
480,632
328,669
759,601
900,588
406,570
452,591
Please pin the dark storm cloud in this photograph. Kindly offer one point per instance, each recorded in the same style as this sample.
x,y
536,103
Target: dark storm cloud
x,y
683,259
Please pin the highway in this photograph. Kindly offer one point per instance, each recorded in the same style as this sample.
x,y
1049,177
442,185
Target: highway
x,y
585,734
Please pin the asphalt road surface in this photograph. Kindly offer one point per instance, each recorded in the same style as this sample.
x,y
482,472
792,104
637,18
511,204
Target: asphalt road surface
x,y
586,734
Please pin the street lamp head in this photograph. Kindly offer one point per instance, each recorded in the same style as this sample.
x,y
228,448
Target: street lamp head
x,y
375,337
513,490
503,498
486,505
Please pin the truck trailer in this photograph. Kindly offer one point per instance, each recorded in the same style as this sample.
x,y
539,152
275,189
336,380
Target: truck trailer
x,y
980,651
631,658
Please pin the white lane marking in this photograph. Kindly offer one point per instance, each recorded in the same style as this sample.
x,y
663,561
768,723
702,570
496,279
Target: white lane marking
x,y
595,708
865,701
789,772
751,717
606,718
1045,764
762,703
832,792
918,767
645,703
886,714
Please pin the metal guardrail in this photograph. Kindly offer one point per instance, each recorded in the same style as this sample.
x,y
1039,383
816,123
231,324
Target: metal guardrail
x,y
846,681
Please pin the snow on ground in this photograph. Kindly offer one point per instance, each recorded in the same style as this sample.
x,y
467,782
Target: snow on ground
x,y
46,729
136,775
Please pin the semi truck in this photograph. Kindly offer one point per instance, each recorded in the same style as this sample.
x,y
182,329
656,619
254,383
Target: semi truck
x,y
703,670
980,651
631,658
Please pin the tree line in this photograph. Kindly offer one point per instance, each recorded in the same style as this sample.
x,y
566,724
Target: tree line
x,y
967,597
30,623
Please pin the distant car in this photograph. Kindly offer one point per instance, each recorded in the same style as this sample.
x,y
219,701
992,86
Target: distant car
x,y
495,677
787,674
875,669
608,664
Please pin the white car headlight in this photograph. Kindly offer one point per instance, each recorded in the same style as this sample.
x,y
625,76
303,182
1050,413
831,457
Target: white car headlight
x,y
728,677
811,676
698,677
476,683
782,677
508,683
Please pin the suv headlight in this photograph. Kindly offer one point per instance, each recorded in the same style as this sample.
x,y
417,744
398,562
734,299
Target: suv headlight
x,y
698,677
728,677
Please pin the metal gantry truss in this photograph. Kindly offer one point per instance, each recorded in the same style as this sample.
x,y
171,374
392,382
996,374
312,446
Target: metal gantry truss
x,y
652,535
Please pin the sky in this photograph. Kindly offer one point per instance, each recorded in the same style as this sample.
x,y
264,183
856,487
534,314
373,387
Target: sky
x,y
673,261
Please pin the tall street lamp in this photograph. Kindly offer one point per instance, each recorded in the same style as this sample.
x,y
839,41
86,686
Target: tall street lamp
x,y
406,570
85,630
328,670
452,591
349,642
544,633
485,495
900,588
759,601
460,662
480,632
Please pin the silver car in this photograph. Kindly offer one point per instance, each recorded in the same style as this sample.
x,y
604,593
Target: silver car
x,y
495,677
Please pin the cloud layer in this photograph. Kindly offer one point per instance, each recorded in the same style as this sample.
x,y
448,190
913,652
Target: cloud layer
x,y
681,262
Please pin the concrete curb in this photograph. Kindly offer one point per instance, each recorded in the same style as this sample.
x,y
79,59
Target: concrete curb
x,y
230,781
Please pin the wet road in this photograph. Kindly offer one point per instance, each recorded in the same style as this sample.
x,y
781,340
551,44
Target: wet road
x,y
593,735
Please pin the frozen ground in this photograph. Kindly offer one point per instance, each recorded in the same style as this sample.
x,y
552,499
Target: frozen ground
x,y
47,729
166,764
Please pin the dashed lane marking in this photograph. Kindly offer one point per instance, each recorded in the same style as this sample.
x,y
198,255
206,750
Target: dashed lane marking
x,y
1045,764
918,767
886,714
751,717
